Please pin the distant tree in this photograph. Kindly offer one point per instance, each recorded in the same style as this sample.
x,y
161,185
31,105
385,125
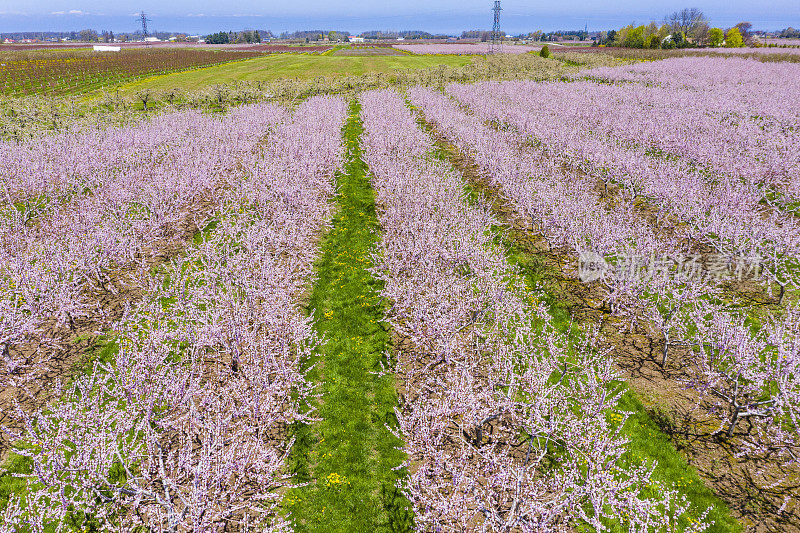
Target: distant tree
x,y
474,34
700,34
621,36
248,37
218,38
691,21
715,37
745,28
789,33
611,37
733,39
634,37
88,36
545,51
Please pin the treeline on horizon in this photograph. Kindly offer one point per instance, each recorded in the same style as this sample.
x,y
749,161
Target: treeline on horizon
x,y
682,29
686,28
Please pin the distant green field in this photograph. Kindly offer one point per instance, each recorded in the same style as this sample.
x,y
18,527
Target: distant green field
x,y
300,66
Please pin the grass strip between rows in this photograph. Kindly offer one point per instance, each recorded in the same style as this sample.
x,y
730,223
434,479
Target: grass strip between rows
x,y
348,459
102,349
647,442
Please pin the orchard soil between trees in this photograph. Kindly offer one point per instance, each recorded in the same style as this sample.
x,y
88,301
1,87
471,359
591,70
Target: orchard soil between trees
x,y
674,408
61,351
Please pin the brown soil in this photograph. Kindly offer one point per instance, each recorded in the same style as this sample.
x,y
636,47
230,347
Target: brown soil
x,y
60,350
740,483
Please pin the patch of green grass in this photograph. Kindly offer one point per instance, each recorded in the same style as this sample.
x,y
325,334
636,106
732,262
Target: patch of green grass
x,y
296,66
647,443
103,350
348,457
9,483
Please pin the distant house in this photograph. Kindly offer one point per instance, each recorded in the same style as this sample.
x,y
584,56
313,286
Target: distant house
x,y
152,40
105,48
354,39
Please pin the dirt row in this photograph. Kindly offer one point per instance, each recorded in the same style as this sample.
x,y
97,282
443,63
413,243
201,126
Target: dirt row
x,y
59,351
740,483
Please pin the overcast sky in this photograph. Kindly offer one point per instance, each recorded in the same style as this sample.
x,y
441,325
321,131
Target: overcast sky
x,y
449,16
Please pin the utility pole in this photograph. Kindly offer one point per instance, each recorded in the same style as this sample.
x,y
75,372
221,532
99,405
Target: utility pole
x,y
496,46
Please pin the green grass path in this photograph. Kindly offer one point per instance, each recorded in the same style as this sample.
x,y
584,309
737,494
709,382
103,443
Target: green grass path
x,y
280,66
348,457
646,440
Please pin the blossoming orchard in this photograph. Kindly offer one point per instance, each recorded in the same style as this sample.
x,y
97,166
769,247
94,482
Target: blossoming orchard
x,y
527,295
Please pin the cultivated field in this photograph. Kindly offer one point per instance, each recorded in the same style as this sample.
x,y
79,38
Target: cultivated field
x,y
464,49
505,293
356,62
57,72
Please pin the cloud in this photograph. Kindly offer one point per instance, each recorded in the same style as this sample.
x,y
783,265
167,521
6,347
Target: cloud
x,y
70,12
196,15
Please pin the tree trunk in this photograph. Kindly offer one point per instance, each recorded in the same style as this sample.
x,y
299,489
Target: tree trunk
x,y
732,426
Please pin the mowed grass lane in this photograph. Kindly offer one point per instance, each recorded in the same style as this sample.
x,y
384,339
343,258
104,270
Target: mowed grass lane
x,y
298,66
647,442
348,457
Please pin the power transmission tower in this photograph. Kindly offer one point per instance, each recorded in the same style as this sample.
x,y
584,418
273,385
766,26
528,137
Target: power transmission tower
x,y
144,19
496,45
